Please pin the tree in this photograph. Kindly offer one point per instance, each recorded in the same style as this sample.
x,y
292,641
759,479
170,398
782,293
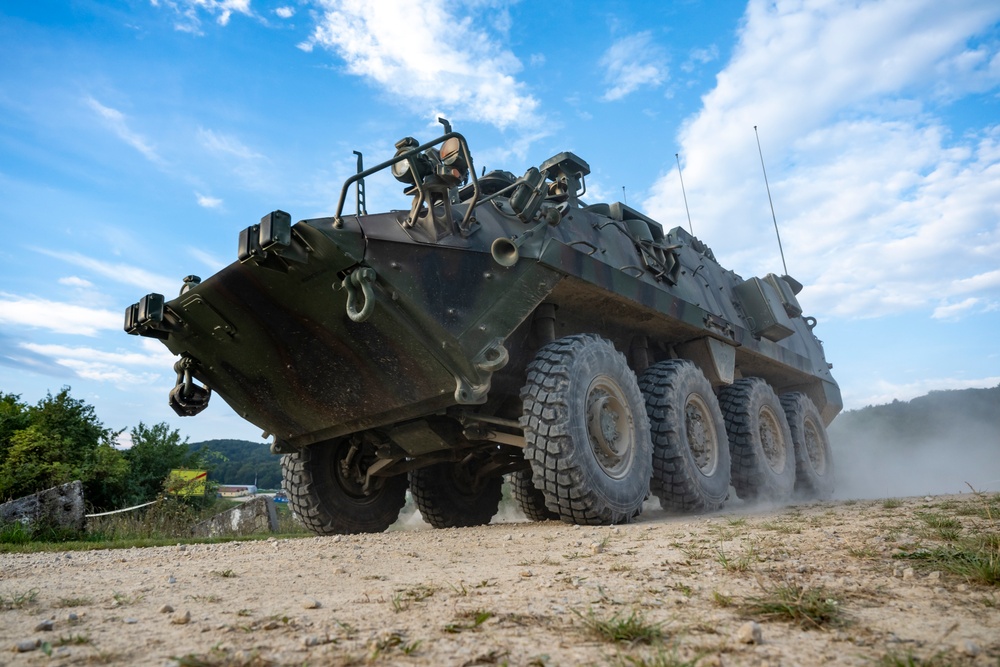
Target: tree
x,y
13,418
57,441
155,451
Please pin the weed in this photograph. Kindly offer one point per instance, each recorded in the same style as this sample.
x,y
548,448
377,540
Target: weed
x,y
72,640
390,642
891,503
683,589
661,659
911,660
222,658
722,600
863,552
469,620
73,602
975,556
205,598
226,574
620,567
633,628
781,527
942,527
850,502
741,521
18,600
742,564
691,551
793,602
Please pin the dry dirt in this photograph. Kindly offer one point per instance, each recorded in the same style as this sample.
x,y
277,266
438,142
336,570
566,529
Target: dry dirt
x,y
514,593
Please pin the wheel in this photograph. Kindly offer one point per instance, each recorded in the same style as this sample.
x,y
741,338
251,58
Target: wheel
x,y
691,463
586,431
448,496
324,488
814,469
528,497
759,440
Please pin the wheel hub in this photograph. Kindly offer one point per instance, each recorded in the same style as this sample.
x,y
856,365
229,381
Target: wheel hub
x,y
609,426
701,434
771,439
815,448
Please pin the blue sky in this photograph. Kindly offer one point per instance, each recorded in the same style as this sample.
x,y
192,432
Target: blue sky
x,y
138,137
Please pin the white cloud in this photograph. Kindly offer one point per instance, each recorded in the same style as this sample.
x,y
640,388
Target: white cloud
x,y
881,209
700,57
223,144
189,12
210,261
94,364
65,318
429,57
74,281
117,271
285,12
208,202
115,120
631,63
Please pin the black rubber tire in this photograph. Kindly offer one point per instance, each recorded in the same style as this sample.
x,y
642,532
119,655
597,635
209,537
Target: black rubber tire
x,y
446,497
760,441
528,497
327,504
691,459
814,468
578,390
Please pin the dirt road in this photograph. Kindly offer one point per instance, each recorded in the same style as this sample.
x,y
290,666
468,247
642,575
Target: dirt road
x,y
673,590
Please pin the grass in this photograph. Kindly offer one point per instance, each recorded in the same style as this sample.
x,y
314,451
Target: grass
x,y
743,563
220,658
468,620
973,555
73,602
661,658
891,503
166,523
18,600
633,628
939,659
809,607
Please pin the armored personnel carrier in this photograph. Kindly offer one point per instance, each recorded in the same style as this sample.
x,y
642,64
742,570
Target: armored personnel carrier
x,y
501,327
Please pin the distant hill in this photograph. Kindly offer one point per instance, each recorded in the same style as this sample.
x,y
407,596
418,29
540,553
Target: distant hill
x,y
943,442
932,416
240,462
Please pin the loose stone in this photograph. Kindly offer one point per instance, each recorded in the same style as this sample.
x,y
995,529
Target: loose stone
x,y
750,633
181,619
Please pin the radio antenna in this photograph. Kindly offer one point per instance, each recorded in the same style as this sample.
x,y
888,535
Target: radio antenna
x,y
624,197
690,228
773,217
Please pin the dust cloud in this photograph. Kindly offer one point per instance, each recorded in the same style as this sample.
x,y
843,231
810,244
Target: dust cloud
x,y
956,455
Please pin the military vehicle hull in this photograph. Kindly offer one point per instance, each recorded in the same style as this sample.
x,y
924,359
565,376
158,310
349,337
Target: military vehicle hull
x,y
377,349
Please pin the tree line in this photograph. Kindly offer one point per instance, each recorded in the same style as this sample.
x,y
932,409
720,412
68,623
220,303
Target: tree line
x,y
60,439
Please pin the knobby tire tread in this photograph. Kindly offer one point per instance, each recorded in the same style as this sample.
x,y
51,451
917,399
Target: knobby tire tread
x,y
677,482
752,476
546,421
443,505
